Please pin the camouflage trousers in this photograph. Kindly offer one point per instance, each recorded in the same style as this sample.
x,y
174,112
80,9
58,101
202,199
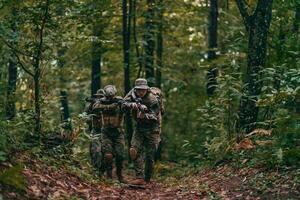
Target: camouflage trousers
x,y
145,143
96,154
113,143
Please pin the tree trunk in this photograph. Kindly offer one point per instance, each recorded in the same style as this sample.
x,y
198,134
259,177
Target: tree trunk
x,y
12,74
296,32
65,114
159,62
135,38
37,70
149,42
96,61
37,128
297,19
126,54
212,45
11,88
257,26
159,48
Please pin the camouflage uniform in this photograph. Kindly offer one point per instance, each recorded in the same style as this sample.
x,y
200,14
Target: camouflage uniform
x,y
112,137
146,136
95,128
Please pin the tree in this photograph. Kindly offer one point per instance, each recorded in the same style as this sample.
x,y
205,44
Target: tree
x,y
135,39
35,49
159,47
149,43
297,19
96,59
65,114
126,26
212,45
12,72
257,26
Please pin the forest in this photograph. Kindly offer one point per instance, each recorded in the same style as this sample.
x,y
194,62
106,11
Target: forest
x,y
228,73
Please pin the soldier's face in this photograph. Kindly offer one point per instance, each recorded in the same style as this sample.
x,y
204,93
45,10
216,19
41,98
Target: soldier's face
x,y
141,92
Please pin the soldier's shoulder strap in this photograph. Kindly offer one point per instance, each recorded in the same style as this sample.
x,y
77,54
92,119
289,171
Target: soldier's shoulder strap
x,y
118,98
159,95
130,95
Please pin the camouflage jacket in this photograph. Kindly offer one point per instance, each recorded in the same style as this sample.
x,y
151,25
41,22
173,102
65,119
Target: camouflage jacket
x,y
95,117
149,119
111,113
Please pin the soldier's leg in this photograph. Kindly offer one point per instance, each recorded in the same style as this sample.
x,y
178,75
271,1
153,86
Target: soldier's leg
x,y
136,153
119,150
96,154
151,144
107,151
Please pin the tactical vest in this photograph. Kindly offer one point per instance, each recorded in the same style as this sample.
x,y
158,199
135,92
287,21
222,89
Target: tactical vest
x,y
113,117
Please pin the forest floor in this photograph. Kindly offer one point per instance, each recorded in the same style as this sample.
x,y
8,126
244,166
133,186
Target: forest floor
x,y
45,181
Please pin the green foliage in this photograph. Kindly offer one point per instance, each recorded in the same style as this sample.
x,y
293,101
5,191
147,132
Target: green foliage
x,y
196,128
13,177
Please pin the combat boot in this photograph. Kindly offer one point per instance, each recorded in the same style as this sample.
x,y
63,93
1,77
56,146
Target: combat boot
x,y
138,181
109,173
120,176
148,170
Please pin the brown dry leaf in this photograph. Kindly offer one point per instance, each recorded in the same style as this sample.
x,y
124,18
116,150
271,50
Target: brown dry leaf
x,y
60,183
262,143
244,144
260,131
35,190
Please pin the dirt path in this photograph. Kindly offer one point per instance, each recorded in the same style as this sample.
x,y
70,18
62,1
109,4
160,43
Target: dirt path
x,y
50,184
46,182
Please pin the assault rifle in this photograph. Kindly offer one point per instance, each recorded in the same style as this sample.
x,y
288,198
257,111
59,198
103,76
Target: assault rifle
x,y
143,109
114,100
91,99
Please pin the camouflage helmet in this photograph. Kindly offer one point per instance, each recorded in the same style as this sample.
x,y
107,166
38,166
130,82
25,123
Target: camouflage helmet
x,y
110,91
141,83
99,93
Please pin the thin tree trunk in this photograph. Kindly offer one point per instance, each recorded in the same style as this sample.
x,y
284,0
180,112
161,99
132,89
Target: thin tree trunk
x,y
96,61
280,53
257,26
12,76
212,45
159,62
297,19
296,32
137,51
159,48
149,42
65,114
126,54
37,71
11,89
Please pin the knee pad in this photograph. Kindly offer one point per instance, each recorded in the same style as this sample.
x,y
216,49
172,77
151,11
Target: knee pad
x,y
108,157
133,153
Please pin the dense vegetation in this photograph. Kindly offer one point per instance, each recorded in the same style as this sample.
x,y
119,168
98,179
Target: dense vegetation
x,y
229,71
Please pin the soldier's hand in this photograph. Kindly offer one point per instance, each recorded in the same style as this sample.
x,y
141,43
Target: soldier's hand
x,y
134,106
151,117
143,108
140,115
112,106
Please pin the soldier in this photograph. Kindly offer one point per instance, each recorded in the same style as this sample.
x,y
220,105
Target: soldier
x,y
95,122
146,111
95,128
112,136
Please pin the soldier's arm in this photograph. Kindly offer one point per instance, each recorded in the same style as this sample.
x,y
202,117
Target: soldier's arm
x,y
127,103
100,106
88,109
153,112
